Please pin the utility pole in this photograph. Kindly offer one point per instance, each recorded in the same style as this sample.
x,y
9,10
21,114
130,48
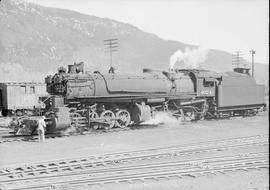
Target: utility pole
x,y
111,46
252,55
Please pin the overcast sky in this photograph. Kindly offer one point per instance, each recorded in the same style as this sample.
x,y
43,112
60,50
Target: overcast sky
x,y
229,25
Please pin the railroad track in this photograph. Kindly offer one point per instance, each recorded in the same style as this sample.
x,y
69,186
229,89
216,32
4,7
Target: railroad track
x,y
67,165
28,138
142,171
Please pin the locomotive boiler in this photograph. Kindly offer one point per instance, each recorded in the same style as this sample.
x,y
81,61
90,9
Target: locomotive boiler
x,y
114,100
117,100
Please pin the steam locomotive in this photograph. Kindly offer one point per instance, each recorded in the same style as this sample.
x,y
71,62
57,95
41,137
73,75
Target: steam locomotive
x,y
114,100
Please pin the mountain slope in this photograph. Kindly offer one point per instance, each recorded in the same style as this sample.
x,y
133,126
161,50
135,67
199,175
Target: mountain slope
x,y
40,39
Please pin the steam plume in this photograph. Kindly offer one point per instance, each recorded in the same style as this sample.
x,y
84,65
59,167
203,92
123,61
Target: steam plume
x,y
162,118
189,58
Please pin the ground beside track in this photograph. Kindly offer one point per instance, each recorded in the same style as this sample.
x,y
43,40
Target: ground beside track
x,y
165,135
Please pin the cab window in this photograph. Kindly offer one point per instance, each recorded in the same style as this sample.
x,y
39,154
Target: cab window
x,y
208,83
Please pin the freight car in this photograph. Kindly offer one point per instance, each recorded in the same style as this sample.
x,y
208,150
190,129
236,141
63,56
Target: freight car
x,y
113,100
21,97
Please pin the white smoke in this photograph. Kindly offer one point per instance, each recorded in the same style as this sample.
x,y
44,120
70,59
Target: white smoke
x,y
162,118
189,59
14,72
70,130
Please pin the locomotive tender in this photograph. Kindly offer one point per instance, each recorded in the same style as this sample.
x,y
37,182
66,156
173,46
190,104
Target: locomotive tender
x,y
114,100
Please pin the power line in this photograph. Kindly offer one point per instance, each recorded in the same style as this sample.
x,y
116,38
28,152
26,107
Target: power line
x,y
237,58
111,46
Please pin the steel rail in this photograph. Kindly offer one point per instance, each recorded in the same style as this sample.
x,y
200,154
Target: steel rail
x,y
256,160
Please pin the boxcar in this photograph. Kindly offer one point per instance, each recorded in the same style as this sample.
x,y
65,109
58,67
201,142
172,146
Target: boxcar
x,y
20,96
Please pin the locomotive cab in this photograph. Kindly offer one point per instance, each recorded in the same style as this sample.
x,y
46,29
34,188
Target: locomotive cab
x,y
204,81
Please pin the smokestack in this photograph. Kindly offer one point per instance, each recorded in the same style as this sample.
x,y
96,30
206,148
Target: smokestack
x,y
71,69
